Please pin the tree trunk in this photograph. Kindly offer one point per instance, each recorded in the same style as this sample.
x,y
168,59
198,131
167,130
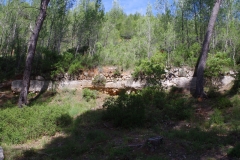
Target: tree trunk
x,y
205,48
31,51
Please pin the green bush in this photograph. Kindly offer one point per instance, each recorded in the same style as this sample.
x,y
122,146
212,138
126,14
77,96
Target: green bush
x,y
217,64
236,86
64,120
213,93
132,110
222,102
45,61
217,117
150,69
178,109
63,64
116,73
153,97
236,101
125,111
89,94
235,152
99,81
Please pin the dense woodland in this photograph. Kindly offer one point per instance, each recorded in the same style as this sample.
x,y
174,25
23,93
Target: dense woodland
x,y
80,34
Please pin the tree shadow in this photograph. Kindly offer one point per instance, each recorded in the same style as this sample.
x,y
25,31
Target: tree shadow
x,y
47,86
89,137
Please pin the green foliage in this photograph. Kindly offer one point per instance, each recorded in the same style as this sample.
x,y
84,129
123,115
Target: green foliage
x,y
121,152
236,86
75,67
217,64
153,97
217,117
7,67
45,61
73,64
96,136
132,110
116,73
151,69
178,109
213,93
125,111
89,94
99,81
234,152
236,101
222,102
20,125
64,120
193,53
63,64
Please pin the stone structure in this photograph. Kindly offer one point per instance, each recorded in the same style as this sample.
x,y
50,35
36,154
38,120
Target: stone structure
x,y
35,85
1,153
115,79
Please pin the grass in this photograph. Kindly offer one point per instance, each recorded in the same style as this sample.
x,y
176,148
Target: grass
x,y
67,125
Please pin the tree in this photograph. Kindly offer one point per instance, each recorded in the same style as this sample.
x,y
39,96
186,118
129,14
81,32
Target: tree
x,y
31,51
205,48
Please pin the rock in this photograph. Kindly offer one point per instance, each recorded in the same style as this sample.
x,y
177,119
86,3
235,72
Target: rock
x,y
35,85
231,73
40,78
227,80
75,84
85,73
153,143
1,153
182,73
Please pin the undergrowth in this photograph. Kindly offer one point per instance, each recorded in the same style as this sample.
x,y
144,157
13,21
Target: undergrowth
x,y
49,114
130,110
20,125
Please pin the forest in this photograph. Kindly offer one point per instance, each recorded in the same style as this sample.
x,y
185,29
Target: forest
x,y
89,124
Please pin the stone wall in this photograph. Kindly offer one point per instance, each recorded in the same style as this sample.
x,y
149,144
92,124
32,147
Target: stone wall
x,y
115,79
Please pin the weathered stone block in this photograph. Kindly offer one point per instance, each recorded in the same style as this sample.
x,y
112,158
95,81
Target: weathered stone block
x,y
35,85
1,154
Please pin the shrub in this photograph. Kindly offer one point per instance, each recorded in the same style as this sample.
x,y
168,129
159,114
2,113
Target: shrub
x,y
178,109
217,117
89,94
153,97
131,110
222,102
99,81
235,152
125,111
150,69
116,73
213,93
236,86
64,120
217,64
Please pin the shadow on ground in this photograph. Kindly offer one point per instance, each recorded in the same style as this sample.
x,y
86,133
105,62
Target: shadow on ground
x,y
90,138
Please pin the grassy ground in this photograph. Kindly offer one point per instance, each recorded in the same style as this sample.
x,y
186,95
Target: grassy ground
x,y
70,125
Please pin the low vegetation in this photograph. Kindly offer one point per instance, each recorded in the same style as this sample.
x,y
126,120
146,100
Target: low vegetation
x,y
72,124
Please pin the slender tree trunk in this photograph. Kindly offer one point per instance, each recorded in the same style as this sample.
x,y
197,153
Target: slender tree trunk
x,y
205,48
31,51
